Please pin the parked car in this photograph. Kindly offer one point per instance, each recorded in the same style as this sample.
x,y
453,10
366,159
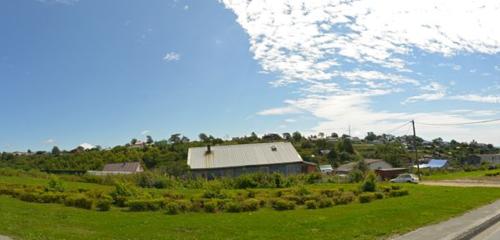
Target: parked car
x,y
406,178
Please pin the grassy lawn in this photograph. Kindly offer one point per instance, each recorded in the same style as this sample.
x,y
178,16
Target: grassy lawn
x,y
424,205
460,175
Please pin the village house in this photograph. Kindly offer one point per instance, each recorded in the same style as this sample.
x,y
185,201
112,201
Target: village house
x,y
235,160
372,164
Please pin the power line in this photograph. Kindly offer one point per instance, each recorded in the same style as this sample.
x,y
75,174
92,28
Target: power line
x,y
462,123
396,128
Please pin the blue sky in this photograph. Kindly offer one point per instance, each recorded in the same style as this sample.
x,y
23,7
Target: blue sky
x,y
103,73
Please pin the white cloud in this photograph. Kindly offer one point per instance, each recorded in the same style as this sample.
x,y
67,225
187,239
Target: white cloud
x,y
186,7
290,120
49,141
344,53
279,111
145,132
432,92
477,98
497,67
172,56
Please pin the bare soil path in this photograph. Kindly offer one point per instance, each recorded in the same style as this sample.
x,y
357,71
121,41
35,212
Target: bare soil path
x,y
463,183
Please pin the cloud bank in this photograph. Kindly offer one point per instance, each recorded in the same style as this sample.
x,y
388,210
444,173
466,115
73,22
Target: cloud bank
x,y
346,55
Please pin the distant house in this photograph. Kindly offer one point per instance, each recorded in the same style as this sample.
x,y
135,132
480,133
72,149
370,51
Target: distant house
x,y
138,145
326,169
119,168
235,160
372,164
478,159
434,164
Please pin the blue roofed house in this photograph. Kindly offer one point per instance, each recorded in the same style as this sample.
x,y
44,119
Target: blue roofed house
x,y
435,164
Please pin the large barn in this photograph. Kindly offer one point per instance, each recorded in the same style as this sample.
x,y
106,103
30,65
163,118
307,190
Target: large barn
x,y
235,160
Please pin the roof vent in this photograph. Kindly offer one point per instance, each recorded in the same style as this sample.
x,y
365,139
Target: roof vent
x,y
274,148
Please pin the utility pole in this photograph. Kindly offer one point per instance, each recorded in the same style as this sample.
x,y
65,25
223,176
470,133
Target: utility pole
x,y
415,148
350,130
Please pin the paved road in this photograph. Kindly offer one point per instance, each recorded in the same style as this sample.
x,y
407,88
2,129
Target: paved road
x,y
456,227
492,233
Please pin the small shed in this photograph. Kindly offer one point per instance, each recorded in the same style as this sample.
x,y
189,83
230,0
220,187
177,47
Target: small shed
x,y
326,169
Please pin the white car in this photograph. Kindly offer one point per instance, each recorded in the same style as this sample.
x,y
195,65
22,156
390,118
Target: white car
x,y
406,178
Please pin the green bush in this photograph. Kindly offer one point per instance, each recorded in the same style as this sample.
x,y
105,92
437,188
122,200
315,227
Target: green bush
x,y
172,208
366,197
29,196
325,203
370,183
122,193
395,187
355,176
281,204
344,198
399,193
51,197
103,205
379,195
145,205
233,207
250,205
210,206
311,204
55,184
79,201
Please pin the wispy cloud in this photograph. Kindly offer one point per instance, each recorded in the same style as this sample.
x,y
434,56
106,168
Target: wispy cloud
x,y
145,132
65,2
172,56
49,141
345,53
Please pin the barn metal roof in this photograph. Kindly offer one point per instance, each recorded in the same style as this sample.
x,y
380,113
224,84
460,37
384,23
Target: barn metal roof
x,y
122,167
242,155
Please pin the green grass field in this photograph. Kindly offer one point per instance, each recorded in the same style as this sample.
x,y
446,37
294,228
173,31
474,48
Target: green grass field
x,y
375,220
481,174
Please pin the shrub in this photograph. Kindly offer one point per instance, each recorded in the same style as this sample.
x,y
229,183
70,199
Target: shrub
x,y
399,193
328,192
122,193
103,205
325,202
311,204
50,197
145,205
79,201
28,196
281,205
250,205
251,194
172,208
344,198
210,206
233,207
301,191
366,197
379,195
370,183
313,177
55,184
395,187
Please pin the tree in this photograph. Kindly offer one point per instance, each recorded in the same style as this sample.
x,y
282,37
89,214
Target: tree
x,y
133,141
362,166
332,157
334,135
296,136
175,138
271,137
287,136
345,145
185,139
203,137
393,153
371,137
149,140
56,151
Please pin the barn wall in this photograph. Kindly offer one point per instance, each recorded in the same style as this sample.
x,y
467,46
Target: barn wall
x,y
285,169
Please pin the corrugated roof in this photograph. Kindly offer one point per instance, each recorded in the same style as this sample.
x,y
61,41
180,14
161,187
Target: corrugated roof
x,y
350,166
122,167
243,155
